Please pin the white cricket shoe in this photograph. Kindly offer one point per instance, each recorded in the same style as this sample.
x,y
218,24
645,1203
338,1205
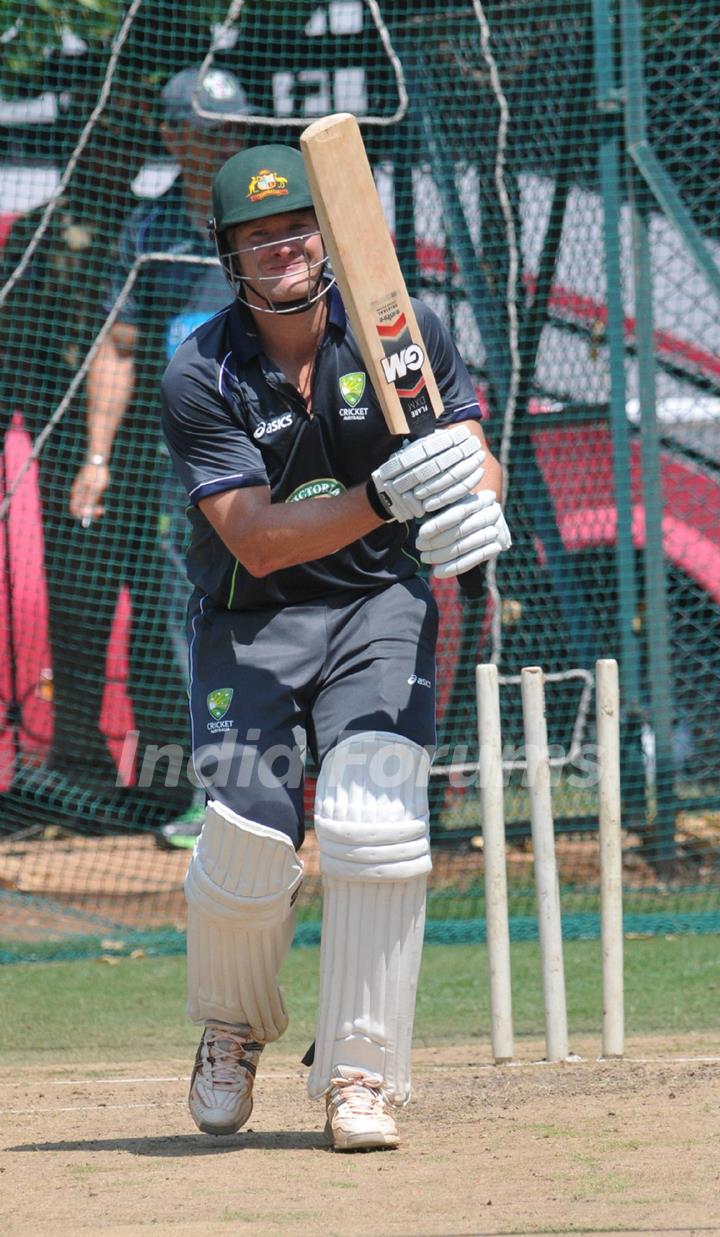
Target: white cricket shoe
x,y
358,1114
222,1080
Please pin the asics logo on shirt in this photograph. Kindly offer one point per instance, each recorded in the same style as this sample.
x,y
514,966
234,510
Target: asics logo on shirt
x,y
271,427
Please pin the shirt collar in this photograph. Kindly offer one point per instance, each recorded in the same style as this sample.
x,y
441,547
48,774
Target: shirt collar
x,y
243,333
336,310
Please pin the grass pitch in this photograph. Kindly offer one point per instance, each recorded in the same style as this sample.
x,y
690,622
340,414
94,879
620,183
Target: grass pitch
x,y
125,1009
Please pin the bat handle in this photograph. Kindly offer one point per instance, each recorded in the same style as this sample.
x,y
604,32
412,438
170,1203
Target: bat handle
x,y
472,583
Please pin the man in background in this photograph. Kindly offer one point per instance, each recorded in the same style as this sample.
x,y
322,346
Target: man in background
x,y
47,325
120,496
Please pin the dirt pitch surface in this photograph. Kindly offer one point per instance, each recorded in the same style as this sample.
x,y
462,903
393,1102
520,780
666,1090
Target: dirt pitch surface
x,y
596,1147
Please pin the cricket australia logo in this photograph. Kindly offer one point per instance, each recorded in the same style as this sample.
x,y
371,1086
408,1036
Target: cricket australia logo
x,y
352,388
219,701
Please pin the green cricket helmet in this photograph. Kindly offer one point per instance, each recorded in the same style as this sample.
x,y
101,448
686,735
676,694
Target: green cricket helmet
x,y
252,185
261,181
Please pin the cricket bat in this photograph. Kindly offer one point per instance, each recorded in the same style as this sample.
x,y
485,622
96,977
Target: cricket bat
x,y
371,283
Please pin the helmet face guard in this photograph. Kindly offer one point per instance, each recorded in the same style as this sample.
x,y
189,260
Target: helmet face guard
x,y
319,280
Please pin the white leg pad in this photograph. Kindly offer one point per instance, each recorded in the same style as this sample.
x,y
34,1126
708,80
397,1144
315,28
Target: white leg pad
x,y
371,822
240,889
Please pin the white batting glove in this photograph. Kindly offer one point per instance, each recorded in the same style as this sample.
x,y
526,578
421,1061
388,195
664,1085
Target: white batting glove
x,y
430,473
470,532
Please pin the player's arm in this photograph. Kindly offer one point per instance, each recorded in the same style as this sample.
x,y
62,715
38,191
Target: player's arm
x,y
492,478
267,537
110,386
224,475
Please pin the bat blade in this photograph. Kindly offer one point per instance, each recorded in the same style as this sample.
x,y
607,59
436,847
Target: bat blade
x,y
373,290
368,273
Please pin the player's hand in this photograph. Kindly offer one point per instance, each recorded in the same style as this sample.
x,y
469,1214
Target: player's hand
x,y
466,534
87,491
430,473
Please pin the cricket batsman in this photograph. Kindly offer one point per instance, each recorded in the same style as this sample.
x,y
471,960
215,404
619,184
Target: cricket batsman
x,y
310,629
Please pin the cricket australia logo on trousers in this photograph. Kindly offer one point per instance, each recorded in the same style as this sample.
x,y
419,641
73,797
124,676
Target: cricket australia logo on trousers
x,y
218,703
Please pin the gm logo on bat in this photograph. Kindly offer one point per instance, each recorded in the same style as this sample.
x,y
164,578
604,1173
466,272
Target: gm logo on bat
x,y
397,364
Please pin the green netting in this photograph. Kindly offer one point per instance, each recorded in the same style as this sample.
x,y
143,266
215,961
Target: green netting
x,y
548,171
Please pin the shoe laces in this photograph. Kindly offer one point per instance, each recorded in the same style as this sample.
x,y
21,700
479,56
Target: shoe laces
x,y
362,1094
221,1052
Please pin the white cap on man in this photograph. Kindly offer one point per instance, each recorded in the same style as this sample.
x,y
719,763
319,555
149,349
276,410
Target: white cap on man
x,y
189,94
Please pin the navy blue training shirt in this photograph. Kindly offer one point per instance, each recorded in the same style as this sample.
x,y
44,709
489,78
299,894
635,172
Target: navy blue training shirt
x,y
231,419
169,298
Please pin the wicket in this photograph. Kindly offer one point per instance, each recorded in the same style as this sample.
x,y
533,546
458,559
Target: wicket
x,y
546,877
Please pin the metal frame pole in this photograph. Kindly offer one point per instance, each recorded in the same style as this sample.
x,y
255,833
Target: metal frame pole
x,y
609,157
607,699
654,562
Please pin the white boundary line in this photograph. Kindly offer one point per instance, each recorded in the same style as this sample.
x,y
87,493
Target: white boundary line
x,y
271,1075
572,1059
25,1112
611,1063
104,1082
91,1082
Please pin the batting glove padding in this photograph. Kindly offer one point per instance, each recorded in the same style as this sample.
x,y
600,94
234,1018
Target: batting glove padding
x,y
466,534
430,473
